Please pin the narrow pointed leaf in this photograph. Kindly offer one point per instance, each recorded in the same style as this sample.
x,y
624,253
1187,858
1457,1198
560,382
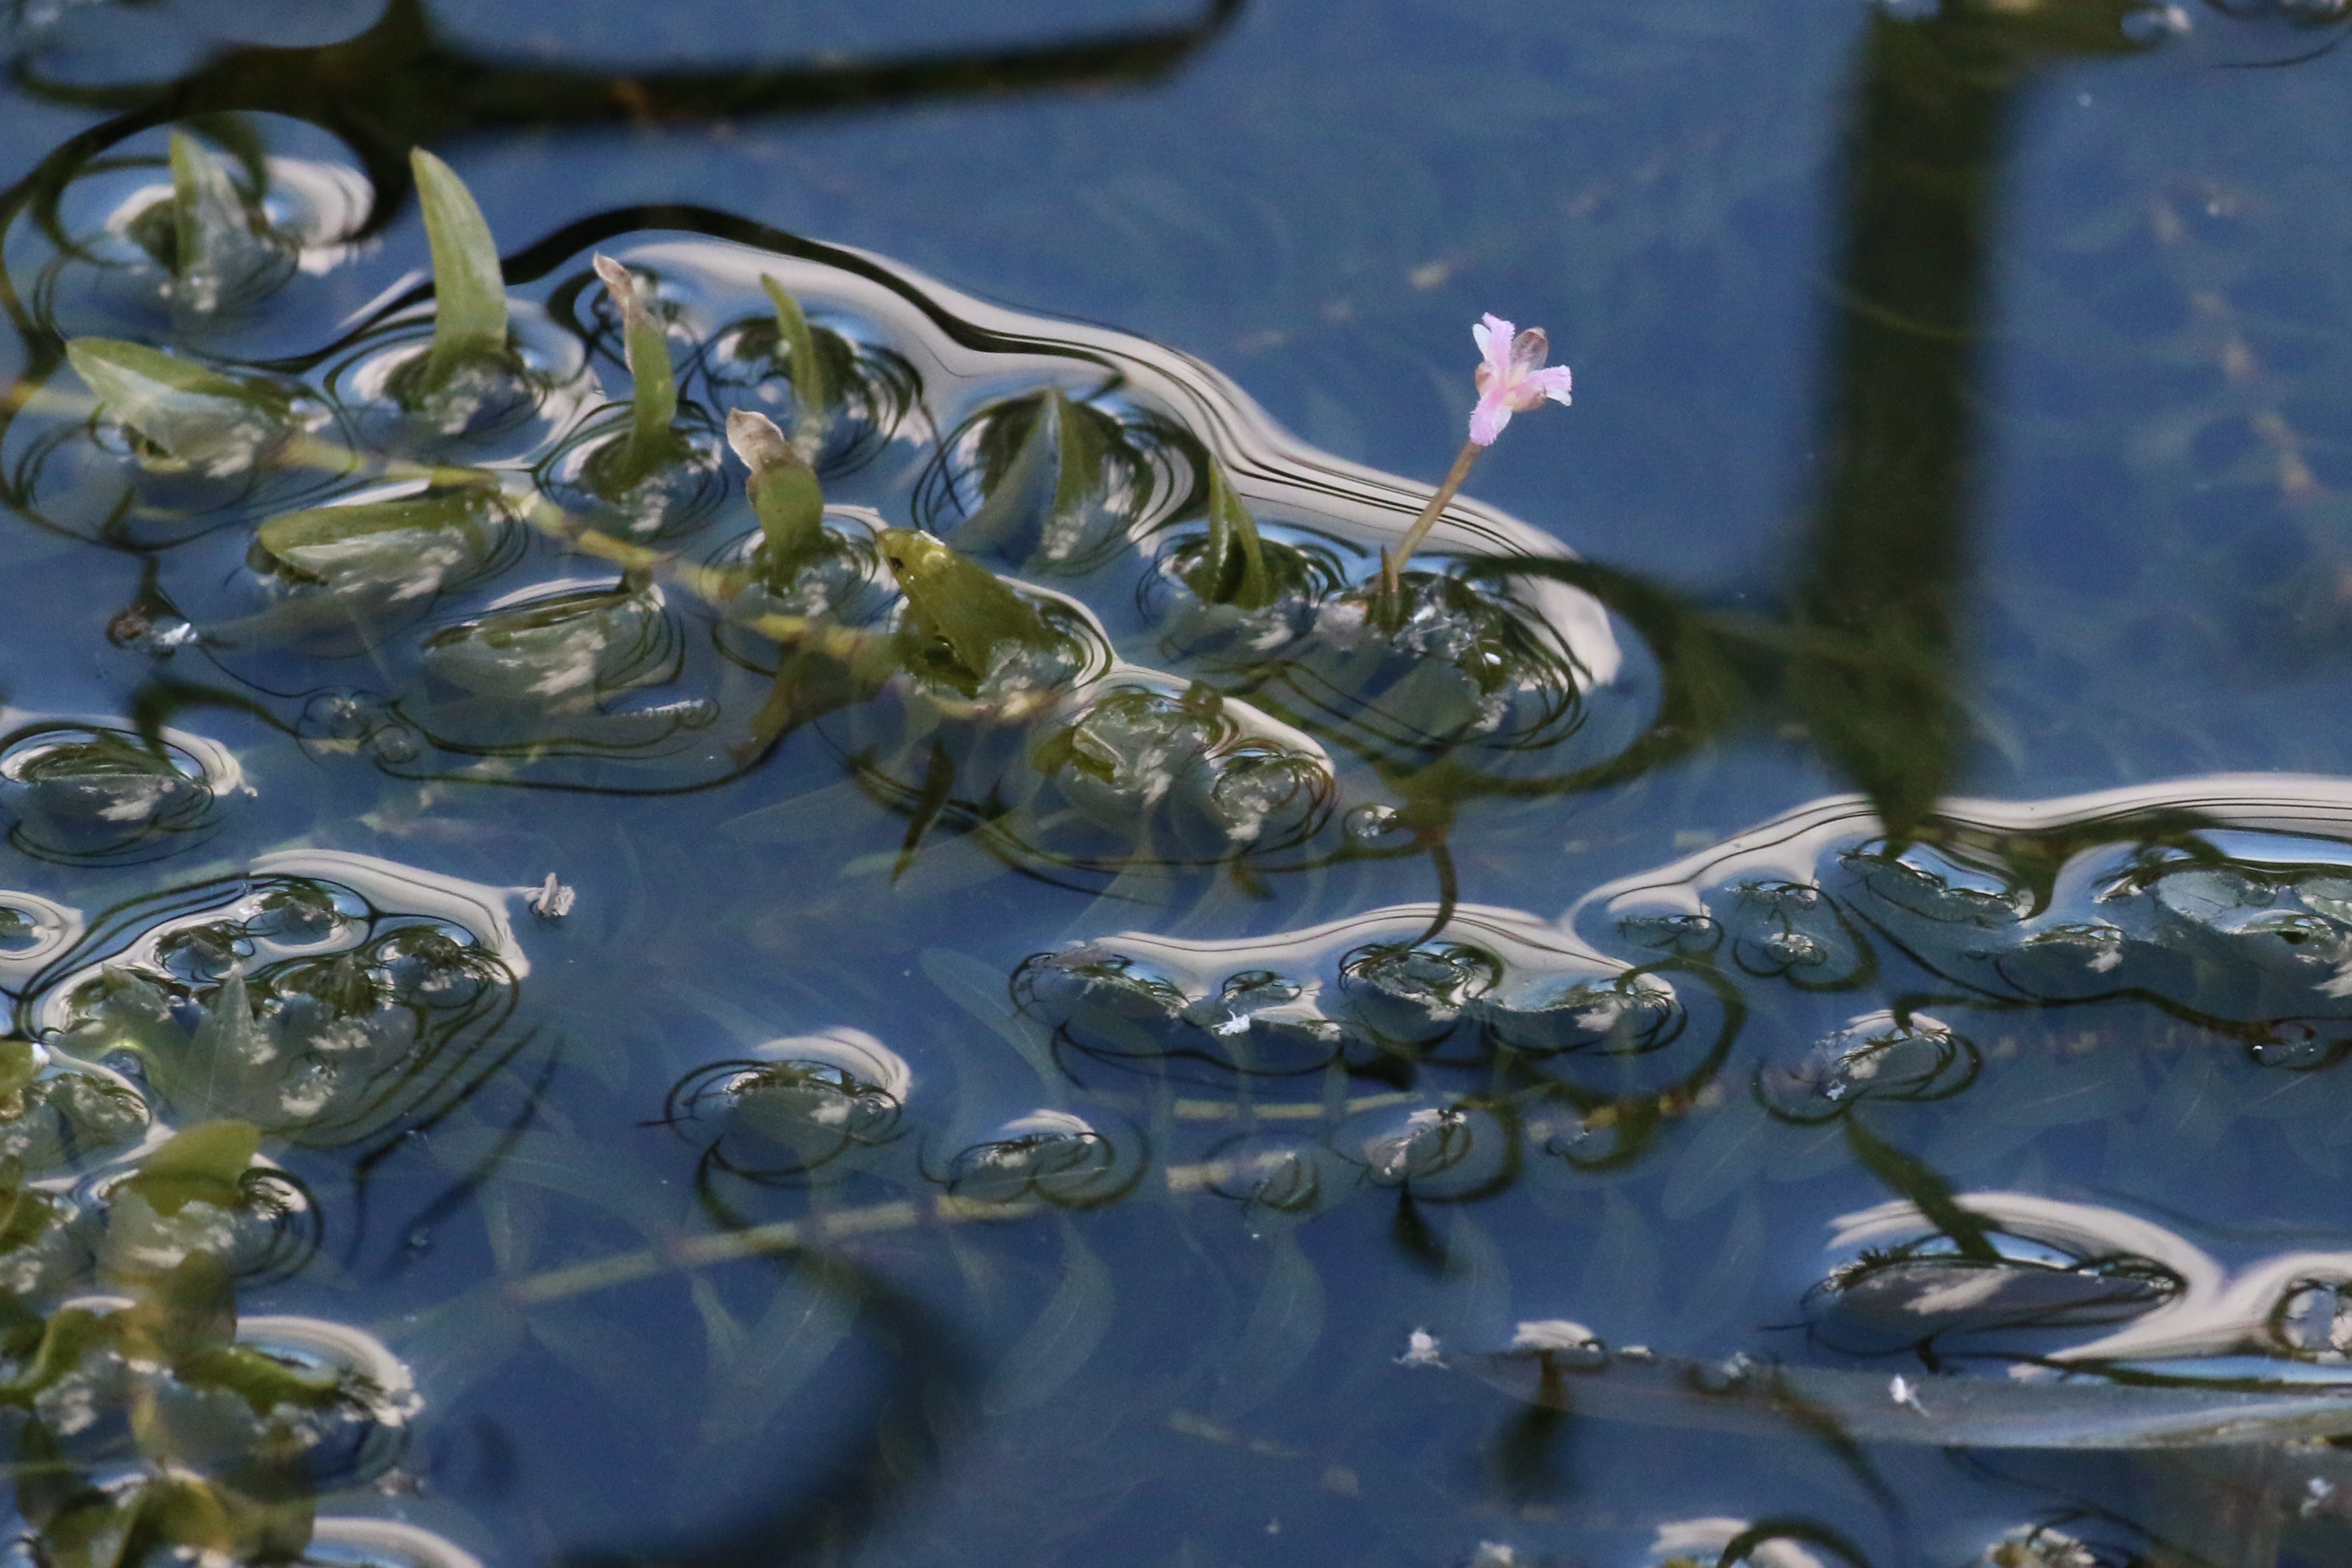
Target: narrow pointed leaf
x,y
1232,570
209,222
1023,498
469,319
653,380
1085,447
813,394
194,415
415,543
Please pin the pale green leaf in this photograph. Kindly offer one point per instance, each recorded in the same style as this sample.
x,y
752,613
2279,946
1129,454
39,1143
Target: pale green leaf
x,y
469,320
216,243
194,416
812,397
203,1162
783,489
653,393
413,542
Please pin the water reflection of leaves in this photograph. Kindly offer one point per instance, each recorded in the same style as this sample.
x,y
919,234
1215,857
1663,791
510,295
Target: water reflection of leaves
x,y
398,85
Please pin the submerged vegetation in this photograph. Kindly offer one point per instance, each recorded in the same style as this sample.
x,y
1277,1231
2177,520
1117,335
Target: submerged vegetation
x,y
722,877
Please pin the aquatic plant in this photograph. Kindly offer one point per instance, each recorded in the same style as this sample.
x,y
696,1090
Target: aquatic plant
x,y
1032,702
1512,378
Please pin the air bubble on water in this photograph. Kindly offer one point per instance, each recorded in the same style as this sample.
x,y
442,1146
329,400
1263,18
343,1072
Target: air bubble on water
x,y
394,743
1370,822
1794,948
1425,1143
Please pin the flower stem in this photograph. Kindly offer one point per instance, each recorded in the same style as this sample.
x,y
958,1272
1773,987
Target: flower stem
x,y
1391,563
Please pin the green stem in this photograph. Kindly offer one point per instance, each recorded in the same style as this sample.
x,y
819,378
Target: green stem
x,y
1392,591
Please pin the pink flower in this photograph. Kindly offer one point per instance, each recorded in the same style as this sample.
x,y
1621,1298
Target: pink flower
x,y
1513,377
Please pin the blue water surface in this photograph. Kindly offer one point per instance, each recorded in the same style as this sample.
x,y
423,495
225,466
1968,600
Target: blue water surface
x,y
1782,1001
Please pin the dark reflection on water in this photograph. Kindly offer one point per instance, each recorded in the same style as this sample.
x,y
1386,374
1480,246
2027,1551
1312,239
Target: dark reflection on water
x,y
979,1007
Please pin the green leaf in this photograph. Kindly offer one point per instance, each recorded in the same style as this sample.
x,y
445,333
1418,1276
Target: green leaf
x,y
92,1531
653,382
184,1311
960,602
71,1333
413,542
469,320
204,1164
263,1381
184,1516
25,1213
47,1483
20,1063
1232,570
783,489
194,418
812,396
1042,501
209,221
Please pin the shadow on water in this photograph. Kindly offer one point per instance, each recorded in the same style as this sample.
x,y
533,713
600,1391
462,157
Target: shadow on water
x,y
1866,653
399,85
1572,1056
1875,661
905,1434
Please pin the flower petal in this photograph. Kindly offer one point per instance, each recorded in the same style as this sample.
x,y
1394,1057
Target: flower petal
x,y
1552,383
1494,335
1486,420
1528,351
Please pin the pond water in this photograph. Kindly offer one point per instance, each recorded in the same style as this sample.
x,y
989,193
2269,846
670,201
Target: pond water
x,y
1781,996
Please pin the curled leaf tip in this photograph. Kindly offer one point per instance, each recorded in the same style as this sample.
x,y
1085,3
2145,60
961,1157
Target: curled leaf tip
x,y
783,489
646,346
756,440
